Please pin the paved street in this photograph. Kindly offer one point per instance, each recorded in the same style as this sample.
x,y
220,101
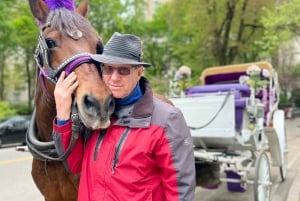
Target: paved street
x,y
16,183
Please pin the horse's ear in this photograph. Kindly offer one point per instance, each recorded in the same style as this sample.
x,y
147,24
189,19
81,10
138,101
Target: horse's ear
x,y
39,10
83,8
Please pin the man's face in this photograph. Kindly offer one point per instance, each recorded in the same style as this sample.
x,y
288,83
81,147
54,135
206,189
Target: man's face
x,y
121,79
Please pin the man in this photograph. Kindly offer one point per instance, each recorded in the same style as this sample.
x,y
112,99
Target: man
x,y
147,151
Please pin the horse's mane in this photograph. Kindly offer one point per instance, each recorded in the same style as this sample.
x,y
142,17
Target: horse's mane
x,y
66,21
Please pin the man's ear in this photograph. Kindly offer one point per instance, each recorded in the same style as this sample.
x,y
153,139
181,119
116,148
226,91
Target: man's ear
x,y
140,71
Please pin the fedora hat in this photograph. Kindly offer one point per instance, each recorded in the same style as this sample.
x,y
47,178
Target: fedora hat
x,y
122,49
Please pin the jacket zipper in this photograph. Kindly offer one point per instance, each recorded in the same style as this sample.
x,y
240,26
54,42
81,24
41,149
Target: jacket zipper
x,y
119,148
99,142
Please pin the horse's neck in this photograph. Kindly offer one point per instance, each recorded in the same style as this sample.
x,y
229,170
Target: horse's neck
x,y
163,98
45,112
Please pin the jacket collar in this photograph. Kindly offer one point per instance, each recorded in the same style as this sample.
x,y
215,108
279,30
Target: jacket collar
x,y
139,114
144,107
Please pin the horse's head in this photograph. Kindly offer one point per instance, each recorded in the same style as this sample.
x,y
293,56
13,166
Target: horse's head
x,y
65,43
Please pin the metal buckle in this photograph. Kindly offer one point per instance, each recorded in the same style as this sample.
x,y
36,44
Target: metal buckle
x,y
75,118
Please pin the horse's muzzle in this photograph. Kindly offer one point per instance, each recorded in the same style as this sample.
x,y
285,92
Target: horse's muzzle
x,y
96,114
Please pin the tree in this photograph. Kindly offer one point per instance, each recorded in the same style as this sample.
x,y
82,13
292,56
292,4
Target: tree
x,y
6,42
209,33
26,32
195,33
281,34
119,15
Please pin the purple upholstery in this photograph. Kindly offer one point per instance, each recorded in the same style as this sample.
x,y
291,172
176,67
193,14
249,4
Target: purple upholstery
x,y
225,77
241,93
240,104
242,88
232,186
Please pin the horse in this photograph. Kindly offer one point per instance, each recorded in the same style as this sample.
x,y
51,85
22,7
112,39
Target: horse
x,y
65,43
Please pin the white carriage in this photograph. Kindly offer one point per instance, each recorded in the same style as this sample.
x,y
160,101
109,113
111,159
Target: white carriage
x,y
237,127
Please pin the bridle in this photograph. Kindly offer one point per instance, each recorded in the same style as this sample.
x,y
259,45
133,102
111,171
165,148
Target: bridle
x,y
46,151
42,58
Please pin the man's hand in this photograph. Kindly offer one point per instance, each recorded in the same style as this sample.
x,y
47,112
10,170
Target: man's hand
x,y
63,91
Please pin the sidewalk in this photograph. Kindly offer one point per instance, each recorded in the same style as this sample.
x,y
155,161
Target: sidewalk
x,y
294,191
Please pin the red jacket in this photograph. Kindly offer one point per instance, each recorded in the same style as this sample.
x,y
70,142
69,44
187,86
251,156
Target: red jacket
x,y
145,155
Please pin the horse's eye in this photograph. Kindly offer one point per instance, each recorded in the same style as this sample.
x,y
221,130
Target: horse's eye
x,y
99,48
51,43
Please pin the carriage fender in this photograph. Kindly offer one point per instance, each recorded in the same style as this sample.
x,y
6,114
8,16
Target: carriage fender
x,y
276,138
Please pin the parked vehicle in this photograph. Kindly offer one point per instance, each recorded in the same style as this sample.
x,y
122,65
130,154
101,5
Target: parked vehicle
x,y
288,110
236,124
13,129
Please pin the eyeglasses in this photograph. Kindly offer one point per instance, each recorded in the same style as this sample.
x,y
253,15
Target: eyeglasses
x,y
109,70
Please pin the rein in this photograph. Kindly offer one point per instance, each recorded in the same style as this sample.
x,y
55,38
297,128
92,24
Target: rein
x,y
46,150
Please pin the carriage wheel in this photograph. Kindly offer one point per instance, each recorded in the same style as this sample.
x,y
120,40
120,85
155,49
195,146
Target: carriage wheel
x,y
262,178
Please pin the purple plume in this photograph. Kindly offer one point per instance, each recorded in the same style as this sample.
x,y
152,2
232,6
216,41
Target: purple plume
x,y
54,4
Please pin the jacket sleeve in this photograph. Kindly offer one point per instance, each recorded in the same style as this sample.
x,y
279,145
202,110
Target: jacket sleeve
x,y
62,137
176,159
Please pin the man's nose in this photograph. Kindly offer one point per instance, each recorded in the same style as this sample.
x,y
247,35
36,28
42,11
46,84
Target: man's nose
x,y
115,75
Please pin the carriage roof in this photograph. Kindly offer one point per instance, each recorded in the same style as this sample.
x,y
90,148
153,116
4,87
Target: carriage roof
x,y
230,72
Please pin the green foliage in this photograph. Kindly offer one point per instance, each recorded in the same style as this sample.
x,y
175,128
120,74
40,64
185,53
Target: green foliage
x,y
296,97
158,83
6,110
157,49
22,109
195,33
119,15
284,100
216,32
24,33
280,23
106,17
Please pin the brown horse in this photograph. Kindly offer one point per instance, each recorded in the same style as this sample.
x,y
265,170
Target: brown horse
x,y
65,43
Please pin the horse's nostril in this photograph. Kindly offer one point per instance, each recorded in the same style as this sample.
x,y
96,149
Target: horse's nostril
x,y
90,103
93,107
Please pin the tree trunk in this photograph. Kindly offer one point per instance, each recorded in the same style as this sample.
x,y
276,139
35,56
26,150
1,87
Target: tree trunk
x,y
2,84
29,79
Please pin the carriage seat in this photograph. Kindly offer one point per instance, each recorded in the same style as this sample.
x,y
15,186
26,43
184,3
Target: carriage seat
x,y
241,94
242,89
